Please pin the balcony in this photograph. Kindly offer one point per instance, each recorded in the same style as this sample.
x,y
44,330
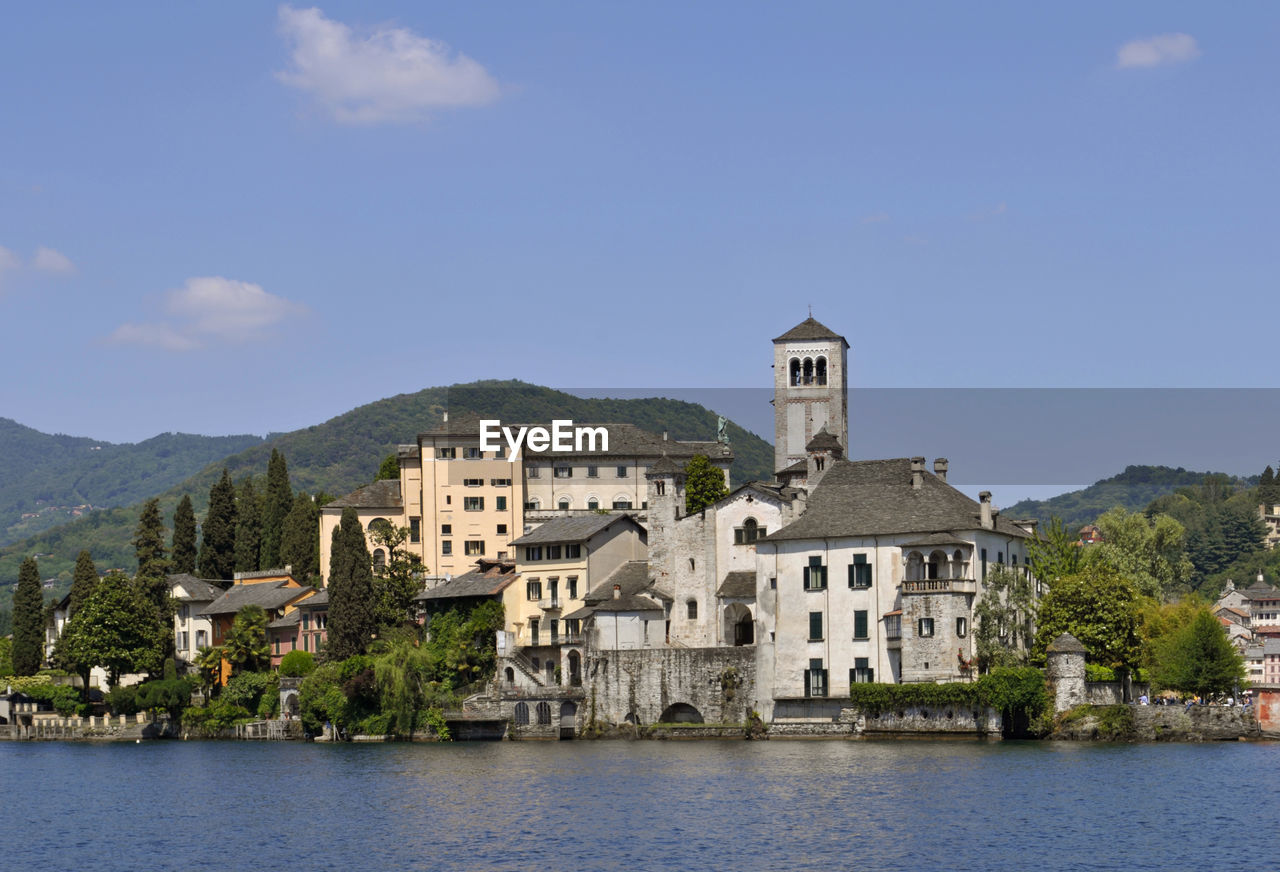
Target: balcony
x,y
940,585
549,604
893,631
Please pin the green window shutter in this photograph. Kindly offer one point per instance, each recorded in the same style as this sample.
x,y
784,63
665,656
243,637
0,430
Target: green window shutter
x,y
860,624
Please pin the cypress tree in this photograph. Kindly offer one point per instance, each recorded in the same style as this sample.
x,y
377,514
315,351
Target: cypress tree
x,y
248,529
83,581
1267,490
276,504
300,538
28,620
352,605
218,543
153,559
184,537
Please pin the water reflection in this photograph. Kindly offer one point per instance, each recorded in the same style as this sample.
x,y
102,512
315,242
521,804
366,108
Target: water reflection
x,y
631,805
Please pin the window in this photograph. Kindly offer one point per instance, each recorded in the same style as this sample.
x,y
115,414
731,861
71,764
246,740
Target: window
x,y
553,552
415,530
593,472
533,637
522,714
379,559
502,529
815,575
622,504
984,564
571,586
572,552
555,628
306,621
201,640
773,582
277,646
182,640
544,714
564,472
860,572
500,482
962,627
533,552
691,609
446,548
565,503
860,624
448,500
473,504
622,472
473,482
815,679
533,472
446,529
475,548
1000,558
593,504
924,628
815,626
447,453
471,453
533,590
500,503
861,673
748,533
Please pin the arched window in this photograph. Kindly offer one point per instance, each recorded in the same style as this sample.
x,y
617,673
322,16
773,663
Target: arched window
x,y
937,566
795,371
820,371
564,504
534,503
915,566
377,523
808,370
544,714
750,530
379,559
511,676
522,715
593,504
691,609
622,501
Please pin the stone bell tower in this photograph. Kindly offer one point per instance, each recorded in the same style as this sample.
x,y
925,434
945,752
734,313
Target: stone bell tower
x,y
810,390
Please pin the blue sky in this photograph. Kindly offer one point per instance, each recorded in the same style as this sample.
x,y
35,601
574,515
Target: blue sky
x,y
238,217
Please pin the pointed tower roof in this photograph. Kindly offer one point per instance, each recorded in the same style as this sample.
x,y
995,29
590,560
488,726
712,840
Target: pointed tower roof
x,y
809,328
666,466
825,441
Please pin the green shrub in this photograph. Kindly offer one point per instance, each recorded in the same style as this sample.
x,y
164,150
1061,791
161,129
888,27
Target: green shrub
x,y
320,698
297,664
64,698
1013,689
433,718
375,725
216,716
1094,672
248,689
123,700
171,695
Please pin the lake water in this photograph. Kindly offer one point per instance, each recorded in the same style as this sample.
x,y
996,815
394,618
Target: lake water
x,y
639,806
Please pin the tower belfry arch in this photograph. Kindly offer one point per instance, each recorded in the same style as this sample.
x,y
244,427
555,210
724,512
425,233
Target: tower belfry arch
x,y
810,389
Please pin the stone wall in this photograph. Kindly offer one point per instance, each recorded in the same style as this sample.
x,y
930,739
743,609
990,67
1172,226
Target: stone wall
x,y
639,686
1199,723
935,720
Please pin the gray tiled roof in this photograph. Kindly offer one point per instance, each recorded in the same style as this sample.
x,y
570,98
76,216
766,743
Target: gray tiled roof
x,y
809,328
739,583
666,466
947,538
384,494
800,467
290,620
634,594
575,528
198,590
489,581
320,599
625,440
1066,644
875,497
268,594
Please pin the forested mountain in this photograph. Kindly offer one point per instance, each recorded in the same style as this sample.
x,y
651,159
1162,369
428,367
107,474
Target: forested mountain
x,y
1133,489
49,480
344,453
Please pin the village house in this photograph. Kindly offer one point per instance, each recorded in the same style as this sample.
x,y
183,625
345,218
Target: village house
x,y
191,629
275,590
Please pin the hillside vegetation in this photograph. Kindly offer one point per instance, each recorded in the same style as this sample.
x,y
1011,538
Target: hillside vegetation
x,y
344,453
51,479
1134,489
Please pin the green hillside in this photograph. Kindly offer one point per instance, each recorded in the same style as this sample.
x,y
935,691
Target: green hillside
x,y
48,480
1134,489
343,453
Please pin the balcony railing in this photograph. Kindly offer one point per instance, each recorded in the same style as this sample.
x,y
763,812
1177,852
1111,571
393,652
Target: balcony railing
x,y
549,603
941,585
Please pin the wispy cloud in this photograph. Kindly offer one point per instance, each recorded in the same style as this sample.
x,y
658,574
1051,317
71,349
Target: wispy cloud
x,y
389,75
1159,50
208,311
52,261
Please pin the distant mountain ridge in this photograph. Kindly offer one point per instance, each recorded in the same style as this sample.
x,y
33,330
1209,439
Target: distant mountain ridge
x,y
1134,489
46,480
344,452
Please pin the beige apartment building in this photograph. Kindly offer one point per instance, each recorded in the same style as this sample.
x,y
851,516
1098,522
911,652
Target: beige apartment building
x,y
462,504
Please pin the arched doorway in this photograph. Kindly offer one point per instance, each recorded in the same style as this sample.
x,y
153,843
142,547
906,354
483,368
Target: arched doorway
x,y
510,675
680,713
544,714
739,626
568,719
522,714
575,669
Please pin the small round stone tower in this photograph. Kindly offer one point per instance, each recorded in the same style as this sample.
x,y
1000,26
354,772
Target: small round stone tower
x,y
1065,671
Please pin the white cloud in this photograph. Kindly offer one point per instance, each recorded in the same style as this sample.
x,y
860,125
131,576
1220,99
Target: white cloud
x,y
52,261
8,260
392,74
1155,51
210,310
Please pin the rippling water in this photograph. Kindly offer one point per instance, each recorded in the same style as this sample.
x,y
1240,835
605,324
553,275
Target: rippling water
x,y
639,805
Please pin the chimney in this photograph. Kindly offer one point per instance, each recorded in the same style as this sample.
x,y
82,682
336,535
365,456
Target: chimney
x,y
940,469
444,417
617,591
985,499
664,435
917,473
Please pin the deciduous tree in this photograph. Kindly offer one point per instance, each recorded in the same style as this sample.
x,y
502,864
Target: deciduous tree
x,y
1150,552
28,620
703,485
183,559
116,628
1101,608
1004,618
1054,552
399,579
